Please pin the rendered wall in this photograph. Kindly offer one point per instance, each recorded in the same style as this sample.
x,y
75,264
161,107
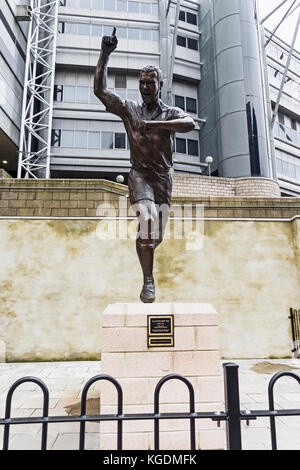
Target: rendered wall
x,y
58,275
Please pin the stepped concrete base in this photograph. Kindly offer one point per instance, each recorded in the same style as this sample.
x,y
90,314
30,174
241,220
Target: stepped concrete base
x,y
126,356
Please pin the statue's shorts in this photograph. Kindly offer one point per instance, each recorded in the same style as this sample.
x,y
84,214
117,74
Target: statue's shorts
x,y
149,184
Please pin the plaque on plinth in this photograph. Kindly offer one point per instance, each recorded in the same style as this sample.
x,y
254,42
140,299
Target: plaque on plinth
x,y
129,356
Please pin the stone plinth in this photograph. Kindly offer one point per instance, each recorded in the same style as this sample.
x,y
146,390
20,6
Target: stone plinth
x,y
126,357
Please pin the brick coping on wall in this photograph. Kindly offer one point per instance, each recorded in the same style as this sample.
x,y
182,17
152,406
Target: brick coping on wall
x,y
101,198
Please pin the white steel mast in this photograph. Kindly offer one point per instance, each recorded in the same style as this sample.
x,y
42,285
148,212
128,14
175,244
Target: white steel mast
x,y
36,123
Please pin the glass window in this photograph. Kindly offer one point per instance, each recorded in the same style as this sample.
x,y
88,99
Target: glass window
x,y
80,139
97,4
84,3
285,168
120,81
109,5
82,94
96,30
280,117
154,35
69,94
191,105
56,137
133,95
181,41
67,138
122,5
107,140
279,165
193,147
71,28
182,15
107,30
94,140
191,18
133,7
179,102
58,93
180,145
62,3
133,33
294,124
298,172
93,97
72,3
120,140
121,92
84,29
61,27
146,8
154,9
146,34
193,44
121,32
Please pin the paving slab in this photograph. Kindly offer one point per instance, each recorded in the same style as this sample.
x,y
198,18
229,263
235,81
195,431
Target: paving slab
x,y
65,381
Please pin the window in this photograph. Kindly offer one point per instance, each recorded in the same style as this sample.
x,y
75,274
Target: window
x,y
293,124
58,93
120,140
193,44
120,81
186,103
97,4
67,138
61,27
154,35
107,140
122,5
191,105
281,117
180,145
107,30
191,18
56,138
94,140
154,9
109,5
71,28
182,15
84,3
133,95
69,94
181,41
82,95
193,147
80,139
188,17
179,102
96,30
62,3
146,34
146,8
121,32
133,33
133,7
84,29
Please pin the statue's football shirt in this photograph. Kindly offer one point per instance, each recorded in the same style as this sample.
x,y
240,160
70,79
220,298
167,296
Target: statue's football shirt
x,y
153,150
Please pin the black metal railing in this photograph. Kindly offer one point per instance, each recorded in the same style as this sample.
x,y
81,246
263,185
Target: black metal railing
x,y
232,416
295,324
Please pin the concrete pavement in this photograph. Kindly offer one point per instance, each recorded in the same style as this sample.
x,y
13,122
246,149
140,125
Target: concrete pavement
x,y
65,381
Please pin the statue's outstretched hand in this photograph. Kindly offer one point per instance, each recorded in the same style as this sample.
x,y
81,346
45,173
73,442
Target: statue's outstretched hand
x,y
109,43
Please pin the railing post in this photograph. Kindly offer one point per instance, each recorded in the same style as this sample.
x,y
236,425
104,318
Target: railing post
x,y
232,404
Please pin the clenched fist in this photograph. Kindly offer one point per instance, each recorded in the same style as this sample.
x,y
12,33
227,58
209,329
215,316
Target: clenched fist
x,y
109,43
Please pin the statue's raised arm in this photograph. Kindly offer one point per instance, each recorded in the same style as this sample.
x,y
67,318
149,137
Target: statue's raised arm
x,y
109,44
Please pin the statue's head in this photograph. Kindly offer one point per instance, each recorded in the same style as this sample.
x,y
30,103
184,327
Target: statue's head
x,y
150,83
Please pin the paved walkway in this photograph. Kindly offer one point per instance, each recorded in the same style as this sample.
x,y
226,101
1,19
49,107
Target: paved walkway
x,y
65,381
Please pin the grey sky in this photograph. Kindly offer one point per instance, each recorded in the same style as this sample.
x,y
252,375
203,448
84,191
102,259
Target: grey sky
x,y
286,30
